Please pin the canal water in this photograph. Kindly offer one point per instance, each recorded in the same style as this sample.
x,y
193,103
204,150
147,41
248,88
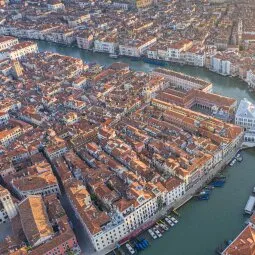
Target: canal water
x,y
203,225
5,229
232,87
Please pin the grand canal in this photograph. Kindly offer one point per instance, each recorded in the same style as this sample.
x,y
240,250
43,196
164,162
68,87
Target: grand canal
x,y
202,225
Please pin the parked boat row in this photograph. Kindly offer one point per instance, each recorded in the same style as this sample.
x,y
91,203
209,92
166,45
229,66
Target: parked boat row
x,y
205,193
162,226
218,181
233,161
137,245
237,158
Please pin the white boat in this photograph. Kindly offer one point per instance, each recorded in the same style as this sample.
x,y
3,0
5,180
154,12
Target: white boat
x,y
175,221
157,232
164,226
130,248
152,234
171,222
113,56
233,162
238,157
168,221
250,205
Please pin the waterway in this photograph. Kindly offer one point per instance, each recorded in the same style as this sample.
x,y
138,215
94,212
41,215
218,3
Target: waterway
x,y
203,225
232,87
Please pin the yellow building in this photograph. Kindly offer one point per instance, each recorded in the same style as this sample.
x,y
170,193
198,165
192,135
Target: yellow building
x,y
143,3
17,68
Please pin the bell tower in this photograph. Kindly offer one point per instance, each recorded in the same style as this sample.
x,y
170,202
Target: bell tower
x,y
6,200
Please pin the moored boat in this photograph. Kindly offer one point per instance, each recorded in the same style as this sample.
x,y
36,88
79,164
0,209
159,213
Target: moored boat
x,y
130,248
218,184
157,232
238,157
174,220
170,221
203,197
152,234
163,226
113,56
232,162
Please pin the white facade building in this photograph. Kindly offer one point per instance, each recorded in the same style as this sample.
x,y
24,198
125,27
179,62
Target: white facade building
x,y
135,48
251,78
220,65
245,115
7,42
4,117
193,58
8,136
183,81
54,6
175,190
105,46
84,41
20,50
249,138
123,223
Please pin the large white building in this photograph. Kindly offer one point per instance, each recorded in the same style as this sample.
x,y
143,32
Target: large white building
x,y
106,43
136,47
4,117
220,65
19,50
54,5
183,81
9,135
245,115
251,78
7,42
84,40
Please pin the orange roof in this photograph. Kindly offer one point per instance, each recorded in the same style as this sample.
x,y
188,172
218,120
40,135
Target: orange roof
x,y
34,219
244,244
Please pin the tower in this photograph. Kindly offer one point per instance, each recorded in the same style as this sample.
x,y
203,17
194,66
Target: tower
x,y
6,200
17,69
240,31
